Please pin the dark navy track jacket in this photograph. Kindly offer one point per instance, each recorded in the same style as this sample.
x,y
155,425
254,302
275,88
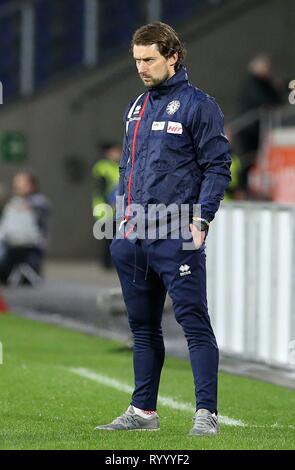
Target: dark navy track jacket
x,y
174,149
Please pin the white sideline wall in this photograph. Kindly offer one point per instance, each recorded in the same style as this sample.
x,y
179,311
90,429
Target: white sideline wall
x,y
251,281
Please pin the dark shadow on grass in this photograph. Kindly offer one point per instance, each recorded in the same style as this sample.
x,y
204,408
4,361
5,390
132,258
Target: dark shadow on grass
x,y
121,349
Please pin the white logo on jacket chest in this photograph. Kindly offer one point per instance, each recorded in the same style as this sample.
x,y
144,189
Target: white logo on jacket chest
x,y
174,127
172,107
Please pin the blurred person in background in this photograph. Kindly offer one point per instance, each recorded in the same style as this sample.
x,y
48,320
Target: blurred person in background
x,y
260,91
23,231
3,197
233,191
106,179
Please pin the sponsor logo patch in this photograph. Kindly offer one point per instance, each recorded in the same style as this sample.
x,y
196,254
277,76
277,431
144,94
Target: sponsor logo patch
x,y
174,127
158,125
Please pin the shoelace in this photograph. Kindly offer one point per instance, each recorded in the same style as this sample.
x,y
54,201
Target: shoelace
x,y
126,418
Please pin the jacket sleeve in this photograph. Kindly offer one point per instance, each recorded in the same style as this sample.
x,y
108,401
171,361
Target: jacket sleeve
x,y
125,154
212,154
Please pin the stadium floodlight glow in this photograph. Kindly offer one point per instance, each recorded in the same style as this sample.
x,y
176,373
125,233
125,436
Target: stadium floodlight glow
x,y
1,93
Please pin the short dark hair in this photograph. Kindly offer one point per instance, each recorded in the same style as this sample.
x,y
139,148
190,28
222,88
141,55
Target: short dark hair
x,y
164,36
107,145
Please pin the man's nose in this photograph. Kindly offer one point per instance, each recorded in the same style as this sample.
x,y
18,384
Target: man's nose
x,y
142,67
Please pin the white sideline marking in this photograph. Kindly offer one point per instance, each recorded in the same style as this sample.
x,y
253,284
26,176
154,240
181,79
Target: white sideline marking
x,y
165,401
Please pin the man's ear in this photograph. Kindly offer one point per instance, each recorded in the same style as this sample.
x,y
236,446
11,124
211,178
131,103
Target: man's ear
x,y
173,59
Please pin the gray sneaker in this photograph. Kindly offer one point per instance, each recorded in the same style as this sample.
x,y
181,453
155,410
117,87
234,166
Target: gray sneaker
x,y
205,424
130,421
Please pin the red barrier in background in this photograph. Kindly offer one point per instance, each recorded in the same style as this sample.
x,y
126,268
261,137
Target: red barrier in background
x,y
3,306
274,174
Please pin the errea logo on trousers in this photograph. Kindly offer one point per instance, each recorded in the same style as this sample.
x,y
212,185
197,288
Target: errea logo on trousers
x,y
184,270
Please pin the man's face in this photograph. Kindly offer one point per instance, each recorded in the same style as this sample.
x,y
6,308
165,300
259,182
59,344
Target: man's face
x,y
153,68
114,153
22,185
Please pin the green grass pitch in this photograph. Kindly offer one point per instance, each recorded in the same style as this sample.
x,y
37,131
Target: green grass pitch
x,y
44,405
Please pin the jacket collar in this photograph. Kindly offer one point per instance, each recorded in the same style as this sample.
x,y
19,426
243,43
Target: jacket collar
x,y
169,86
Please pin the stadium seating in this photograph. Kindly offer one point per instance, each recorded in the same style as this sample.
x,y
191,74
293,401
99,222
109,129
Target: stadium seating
x,y
59,36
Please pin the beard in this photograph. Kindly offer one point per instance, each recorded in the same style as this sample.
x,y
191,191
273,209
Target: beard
x,y
151,82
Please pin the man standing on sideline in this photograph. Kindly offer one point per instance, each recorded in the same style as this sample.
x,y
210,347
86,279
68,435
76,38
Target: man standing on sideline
x,y
175,153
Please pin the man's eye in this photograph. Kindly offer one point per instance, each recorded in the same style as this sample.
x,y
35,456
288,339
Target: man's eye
x,y
146,61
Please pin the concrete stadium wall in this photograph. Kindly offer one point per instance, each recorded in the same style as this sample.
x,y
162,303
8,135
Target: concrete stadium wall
x,y
72,117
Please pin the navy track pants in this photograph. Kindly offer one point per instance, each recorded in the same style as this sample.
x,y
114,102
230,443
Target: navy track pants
x,y
147,273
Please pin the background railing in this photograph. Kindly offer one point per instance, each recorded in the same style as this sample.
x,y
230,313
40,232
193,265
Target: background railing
x,y
251,281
